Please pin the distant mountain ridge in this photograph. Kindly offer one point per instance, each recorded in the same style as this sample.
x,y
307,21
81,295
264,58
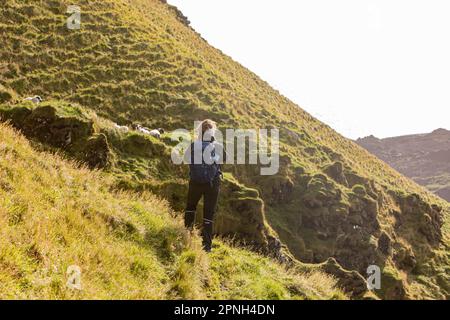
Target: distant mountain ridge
x,y
425,158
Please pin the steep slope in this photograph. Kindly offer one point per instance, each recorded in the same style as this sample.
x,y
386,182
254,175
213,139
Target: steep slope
x,y
128,246
138,61
425,158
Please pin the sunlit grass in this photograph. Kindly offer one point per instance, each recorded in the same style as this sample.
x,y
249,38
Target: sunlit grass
x,y
128,245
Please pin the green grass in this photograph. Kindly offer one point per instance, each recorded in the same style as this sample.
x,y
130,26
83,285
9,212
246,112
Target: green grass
x,y
135,61
55,214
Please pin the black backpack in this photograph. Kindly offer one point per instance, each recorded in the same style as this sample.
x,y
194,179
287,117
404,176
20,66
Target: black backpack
x,y
206,171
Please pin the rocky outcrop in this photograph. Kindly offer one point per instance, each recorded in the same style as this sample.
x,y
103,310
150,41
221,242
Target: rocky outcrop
x,y
351,282
338,215
428,220
242,217
75,135
336,172
97,151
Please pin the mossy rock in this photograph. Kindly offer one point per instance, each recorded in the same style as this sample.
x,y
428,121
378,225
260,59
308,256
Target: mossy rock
x,y
97,152
392,285
138,144
241,214
321,192
277,189
351,281
353,178
405,259
64,127
359,190
336,172
384,244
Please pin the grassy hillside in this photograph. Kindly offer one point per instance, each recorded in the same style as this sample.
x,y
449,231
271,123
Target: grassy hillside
x,y
55,214
138,61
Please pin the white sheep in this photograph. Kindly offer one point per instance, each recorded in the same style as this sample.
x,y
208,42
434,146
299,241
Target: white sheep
x,y
35,99
154,133
121,128
157,133
142,129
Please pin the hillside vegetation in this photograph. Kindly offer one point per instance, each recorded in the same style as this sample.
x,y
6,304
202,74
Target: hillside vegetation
x,y
55,214
136,61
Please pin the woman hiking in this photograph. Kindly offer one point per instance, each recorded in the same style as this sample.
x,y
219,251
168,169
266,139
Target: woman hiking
x,y
204,157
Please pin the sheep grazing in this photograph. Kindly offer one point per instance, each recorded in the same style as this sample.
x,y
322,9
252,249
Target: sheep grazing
x,y
35,99
121,128
154,133
142,129
157,133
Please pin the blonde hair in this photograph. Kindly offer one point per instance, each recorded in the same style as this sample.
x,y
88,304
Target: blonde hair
x,y
204,126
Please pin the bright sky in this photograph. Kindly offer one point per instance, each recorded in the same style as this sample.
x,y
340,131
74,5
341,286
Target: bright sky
x,y
362,66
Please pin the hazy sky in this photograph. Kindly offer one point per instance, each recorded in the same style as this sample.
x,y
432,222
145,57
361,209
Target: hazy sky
x,y
362,66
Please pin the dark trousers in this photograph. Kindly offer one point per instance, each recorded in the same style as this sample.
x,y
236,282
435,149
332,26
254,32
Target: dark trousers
x,y
210,193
